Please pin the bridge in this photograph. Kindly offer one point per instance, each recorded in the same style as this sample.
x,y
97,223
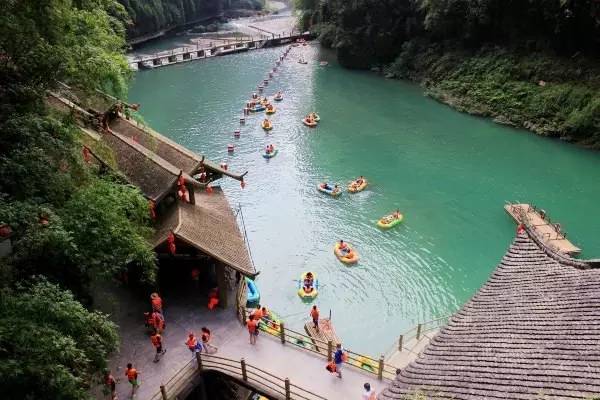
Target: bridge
x,y
216,47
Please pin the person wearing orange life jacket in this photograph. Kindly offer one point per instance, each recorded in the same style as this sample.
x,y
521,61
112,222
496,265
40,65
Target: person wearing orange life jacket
x,y
206,336
156,302
192,344
344,247
257,313
158,322
314,313
132,376
252,325
156,340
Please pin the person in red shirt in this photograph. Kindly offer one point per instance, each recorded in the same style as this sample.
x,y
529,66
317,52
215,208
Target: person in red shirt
x,y
132,376
192,343
156,301
157,343
111,384
252,329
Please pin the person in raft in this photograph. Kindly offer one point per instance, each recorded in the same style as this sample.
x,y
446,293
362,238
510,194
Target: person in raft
x,y
308,282
336,189
326,186
279,95
396,214
344,248
360,180
266,122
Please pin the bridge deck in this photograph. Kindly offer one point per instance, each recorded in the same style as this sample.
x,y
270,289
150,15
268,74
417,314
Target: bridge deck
x,y
183,315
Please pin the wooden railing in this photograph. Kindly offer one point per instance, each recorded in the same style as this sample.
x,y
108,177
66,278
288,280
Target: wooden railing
x,y
368,364
416,332
257,378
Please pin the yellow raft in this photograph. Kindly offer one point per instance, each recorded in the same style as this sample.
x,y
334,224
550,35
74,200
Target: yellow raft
x,y
389,221
346,258
313,293
270,111
267,125
367,364
354,188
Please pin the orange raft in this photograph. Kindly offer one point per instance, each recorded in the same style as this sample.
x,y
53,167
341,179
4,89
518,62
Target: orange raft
x,y
347,258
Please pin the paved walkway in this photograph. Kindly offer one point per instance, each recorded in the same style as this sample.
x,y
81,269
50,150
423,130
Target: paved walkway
x,y
183,315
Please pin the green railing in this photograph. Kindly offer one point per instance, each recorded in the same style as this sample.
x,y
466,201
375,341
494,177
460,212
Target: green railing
x,y
368,364
257,378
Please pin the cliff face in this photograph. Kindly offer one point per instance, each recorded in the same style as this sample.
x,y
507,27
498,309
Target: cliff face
x,y
150,16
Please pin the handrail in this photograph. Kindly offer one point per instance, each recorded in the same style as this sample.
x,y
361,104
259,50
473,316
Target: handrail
x,y
416,332
248,373
368,364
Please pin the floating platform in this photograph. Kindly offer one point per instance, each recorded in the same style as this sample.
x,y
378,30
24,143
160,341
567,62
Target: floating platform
x,y
550,233
325,333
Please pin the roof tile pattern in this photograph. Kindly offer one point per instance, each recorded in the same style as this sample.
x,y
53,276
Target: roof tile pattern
x,y
210,226
532,331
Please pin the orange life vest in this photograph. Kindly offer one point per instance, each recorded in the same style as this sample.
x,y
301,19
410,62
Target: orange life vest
x,y
191,342
131,374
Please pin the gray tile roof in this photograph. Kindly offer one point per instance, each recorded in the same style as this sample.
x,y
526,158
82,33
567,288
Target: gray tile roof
x,y
211,227
531,331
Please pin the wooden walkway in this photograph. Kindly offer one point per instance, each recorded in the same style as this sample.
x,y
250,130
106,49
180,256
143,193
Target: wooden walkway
x,y
550,233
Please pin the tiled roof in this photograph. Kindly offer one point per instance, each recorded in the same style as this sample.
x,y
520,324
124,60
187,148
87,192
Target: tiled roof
x,y
211,227
169,150
532,331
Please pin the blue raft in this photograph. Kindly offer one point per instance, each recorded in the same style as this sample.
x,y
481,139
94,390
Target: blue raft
x,y
253,294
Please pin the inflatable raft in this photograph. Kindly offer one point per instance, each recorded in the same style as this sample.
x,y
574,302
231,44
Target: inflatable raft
x,y
271,154
354,188
304,295
389,221
270,111
271,323
332,191
278,98
267,125
258,108
253,295
346,259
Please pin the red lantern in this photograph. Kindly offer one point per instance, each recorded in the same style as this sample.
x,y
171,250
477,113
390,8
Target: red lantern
x,y
209,190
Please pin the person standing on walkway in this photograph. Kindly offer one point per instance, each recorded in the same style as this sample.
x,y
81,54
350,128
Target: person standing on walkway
x,y
314,313
156,340
156,301
192,343
338,358
111,384
206,340
132,377
368,394
252,329
158,322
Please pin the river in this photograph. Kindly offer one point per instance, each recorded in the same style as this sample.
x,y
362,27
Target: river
x,y
448,172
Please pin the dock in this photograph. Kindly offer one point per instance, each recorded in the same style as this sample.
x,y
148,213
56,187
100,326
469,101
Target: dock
x,y
536,219
321,337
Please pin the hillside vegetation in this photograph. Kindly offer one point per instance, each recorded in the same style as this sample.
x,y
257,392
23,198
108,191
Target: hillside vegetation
x,y
533,64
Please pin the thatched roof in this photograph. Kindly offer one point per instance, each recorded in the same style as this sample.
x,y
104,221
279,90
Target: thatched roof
x,y
152,174
211,227
169,150
532,331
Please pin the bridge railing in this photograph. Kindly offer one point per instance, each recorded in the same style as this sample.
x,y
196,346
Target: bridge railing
x,y
325,349
416,332
240,370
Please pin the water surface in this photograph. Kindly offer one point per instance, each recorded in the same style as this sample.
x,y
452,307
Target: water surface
x,y
448,172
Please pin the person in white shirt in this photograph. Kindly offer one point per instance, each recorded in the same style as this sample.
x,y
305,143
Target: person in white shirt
x,y
368,394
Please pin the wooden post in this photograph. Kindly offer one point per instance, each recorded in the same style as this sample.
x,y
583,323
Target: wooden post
x,y
244,373
163,392
400,342
221,283
329,350
199,359
380,370
419,329
243,308
288,395
282,332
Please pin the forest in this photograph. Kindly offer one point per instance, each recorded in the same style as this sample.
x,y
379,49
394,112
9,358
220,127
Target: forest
x,y
533,64
70,225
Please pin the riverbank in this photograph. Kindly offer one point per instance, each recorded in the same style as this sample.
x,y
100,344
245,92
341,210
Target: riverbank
x,y
548,95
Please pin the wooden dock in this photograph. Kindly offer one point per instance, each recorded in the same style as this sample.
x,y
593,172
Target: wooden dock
x,y
550,233
321,337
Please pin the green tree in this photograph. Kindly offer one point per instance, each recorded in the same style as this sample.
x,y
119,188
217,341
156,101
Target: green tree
x,y
50,345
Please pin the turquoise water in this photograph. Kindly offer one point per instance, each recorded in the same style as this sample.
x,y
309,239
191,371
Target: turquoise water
x,y
449,173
